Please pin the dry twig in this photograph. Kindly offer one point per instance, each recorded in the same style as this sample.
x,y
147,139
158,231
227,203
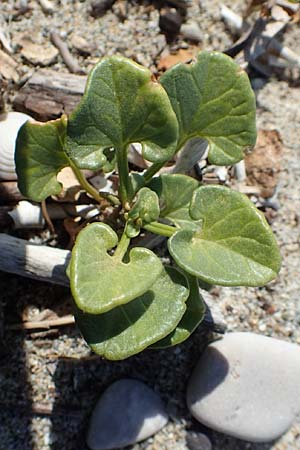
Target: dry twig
x,y
43,324
62,47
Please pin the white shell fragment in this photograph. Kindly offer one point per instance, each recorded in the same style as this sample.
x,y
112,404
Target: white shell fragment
x,y
10,123
27,215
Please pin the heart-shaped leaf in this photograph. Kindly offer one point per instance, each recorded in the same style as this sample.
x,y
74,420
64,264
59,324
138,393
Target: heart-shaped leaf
x,y
235,245
175,192
129,329
39,157
213,99
193,316
121,105
100,282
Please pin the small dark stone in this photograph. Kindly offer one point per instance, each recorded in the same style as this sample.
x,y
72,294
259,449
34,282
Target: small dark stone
x,y
170,21
197,441
99,7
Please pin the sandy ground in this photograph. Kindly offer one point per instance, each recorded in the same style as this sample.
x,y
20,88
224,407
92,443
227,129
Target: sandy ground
x,y
50,381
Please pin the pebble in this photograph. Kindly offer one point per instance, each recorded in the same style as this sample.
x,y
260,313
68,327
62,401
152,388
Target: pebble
x,y
191,31
126,413
99,7
8,67
197,441
36,54
170,21
83,46
247,386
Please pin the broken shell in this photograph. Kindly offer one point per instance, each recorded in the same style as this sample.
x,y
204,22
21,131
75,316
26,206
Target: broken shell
x,y
10,123
27,215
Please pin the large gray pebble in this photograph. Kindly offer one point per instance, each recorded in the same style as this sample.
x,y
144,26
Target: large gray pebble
x,y
127,412
247,386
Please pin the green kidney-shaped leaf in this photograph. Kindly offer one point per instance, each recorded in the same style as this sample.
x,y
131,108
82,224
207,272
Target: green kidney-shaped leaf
x,y
39,157
213,99
121,105
100,282
235,245
193,316
175,192
129,329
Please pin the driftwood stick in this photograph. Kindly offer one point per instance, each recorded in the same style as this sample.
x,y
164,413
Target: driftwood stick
x,y
43,324
34,261
48,94
62,47
40,409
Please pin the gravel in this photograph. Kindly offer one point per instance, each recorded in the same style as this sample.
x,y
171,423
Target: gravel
x,y
50,381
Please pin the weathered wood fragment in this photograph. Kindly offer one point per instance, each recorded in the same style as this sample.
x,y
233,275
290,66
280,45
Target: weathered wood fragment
x,y
33,261
48,94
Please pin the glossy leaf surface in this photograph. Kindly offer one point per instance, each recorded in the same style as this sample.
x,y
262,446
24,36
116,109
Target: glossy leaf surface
x,y
129,329
175,192
235,245
213,99
100,282
121,105
39,157
193,316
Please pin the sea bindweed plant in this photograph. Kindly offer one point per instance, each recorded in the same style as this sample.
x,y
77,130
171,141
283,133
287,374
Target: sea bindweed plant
x,y
125,299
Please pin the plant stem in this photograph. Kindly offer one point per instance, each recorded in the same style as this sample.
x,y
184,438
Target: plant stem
x,y
113,200
122,246
160,228
85,184
152,171
149,173
125,187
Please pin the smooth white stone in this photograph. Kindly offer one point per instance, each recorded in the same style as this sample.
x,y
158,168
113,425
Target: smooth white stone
x,y
126,413
247,386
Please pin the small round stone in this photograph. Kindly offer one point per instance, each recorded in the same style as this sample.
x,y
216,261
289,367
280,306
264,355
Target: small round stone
x,y
126,413
197,441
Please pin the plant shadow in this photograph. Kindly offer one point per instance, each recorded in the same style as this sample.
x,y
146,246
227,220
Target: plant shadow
x,y
73,378
22,404
15,391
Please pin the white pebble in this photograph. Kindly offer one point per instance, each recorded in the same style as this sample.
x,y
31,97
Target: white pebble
x,y
247,386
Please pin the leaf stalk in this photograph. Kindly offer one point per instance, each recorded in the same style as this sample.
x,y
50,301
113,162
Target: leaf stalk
x,y
125,187
122,247
160,228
